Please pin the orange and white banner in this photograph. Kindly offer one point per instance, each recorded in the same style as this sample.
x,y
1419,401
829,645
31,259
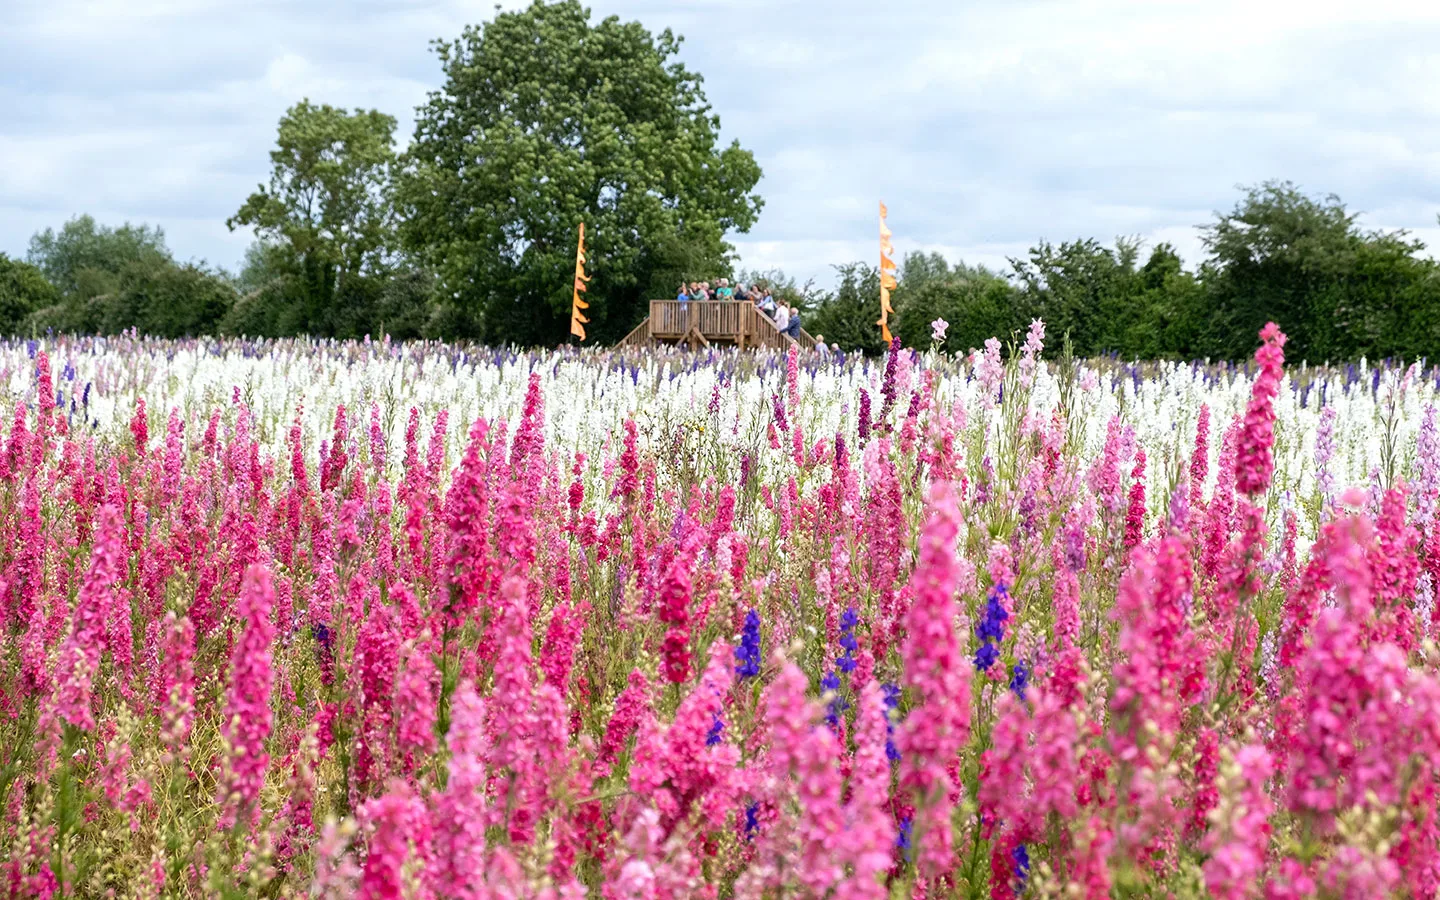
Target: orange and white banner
x,y
577,318
887,277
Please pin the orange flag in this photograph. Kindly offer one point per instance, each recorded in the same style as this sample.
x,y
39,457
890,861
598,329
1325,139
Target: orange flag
x,y
577,318
887,277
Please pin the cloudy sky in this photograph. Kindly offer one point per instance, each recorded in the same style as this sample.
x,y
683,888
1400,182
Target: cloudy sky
x,y
984,126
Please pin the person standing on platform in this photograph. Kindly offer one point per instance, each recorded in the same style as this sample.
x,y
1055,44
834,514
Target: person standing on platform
x,y
684,298
792,324
782,318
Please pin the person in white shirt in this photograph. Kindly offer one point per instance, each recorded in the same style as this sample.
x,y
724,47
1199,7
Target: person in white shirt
x,y
782,317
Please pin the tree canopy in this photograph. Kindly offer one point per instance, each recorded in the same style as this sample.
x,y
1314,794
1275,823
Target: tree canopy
x,y
1342,291
547,120
327,216
86,258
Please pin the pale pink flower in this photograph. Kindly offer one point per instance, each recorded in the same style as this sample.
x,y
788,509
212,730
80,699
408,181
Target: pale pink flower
x,y
1034,346
990,372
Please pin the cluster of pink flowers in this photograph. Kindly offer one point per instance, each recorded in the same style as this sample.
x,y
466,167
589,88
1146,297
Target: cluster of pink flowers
x,y
1030,353
897,660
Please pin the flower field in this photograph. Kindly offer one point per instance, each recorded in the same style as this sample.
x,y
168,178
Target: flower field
x,y
289,619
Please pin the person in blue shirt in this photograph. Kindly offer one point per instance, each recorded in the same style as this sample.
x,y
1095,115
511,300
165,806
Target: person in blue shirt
x,y
682,296
792,327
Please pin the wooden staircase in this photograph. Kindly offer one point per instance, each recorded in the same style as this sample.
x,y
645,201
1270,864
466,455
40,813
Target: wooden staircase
x,y
703,323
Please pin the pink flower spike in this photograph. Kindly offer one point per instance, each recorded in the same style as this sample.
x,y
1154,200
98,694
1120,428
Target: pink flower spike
x,y
79,658
938,678
1254,461
246,725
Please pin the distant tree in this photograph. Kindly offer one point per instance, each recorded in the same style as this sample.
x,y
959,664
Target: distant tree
x,y
848,316
167,301
327,215
975,303
23,290
546,120
86,259
1278,255
1168,315
264,262
1337,290
784,288
918,269
1083,288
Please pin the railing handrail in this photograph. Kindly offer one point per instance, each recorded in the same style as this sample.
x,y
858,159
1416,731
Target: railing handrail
x,y
736,321
749,326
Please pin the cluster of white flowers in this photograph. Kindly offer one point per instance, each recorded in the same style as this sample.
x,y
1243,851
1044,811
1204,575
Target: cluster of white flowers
x,y
724,397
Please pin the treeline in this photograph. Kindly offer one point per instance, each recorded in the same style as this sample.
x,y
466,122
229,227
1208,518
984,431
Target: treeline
x,y
88,278
1339,291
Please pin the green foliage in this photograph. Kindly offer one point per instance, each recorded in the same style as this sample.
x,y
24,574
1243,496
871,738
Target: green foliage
x,y
168,301
784,288
107,280
976,302
1302,261
328,196
399,304
155,297
86,259
547,120
327,216
1082,288
1338,291
848,316
23,290
1167,315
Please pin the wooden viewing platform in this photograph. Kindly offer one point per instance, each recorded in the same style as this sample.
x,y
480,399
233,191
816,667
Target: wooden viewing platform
x,y
701,323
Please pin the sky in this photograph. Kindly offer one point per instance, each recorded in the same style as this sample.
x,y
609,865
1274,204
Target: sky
x,y
984,126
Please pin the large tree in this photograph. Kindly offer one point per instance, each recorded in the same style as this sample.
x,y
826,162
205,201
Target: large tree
x,y
326,216
547,120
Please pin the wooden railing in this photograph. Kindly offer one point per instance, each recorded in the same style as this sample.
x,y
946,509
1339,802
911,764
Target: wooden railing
x,y
735,322
705,322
